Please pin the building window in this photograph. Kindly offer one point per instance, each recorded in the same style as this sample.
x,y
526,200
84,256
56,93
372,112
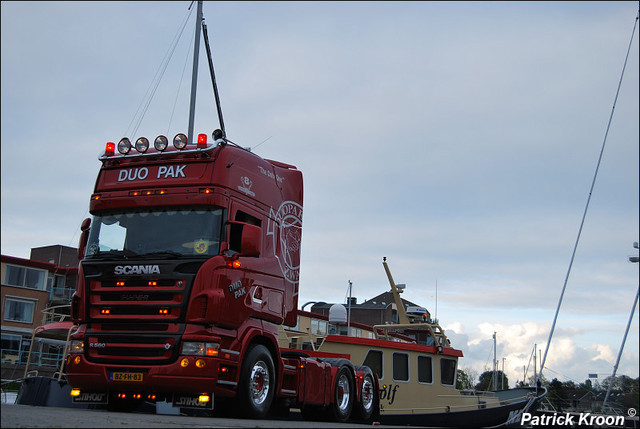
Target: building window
x,y
55,281
18,310
448,372
10,348
425,369
400,367
25,277
374,361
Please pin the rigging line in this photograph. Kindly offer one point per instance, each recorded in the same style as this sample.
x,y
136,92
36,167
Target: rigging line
x,y
261,142
146,100
584,215
184,68
168,57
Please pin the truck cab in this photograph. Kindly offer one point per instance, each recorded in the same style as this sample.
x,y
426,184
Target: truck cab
x,y
189,263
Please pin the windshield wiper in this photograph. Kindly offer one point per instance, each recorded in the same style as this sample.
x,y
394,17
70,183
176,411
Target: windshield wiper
x,y
114,254
163,253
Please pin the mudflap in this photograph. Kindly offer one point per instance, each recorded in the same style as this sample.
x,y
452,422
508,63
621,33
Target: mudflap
x,y
185,400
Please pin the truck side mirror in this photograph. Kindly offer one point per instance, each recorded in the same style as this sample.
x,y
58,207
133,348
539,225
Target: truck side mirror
x,y
244,238
84,237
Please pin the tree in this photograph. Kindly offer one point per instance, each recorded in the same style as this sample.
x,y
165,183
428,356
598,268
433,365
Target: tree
x,y
557,394
465,378
486,381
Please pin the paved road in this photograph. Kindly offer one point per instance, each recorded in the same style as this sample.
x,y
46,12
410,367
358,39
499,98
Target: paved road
x,y
29,416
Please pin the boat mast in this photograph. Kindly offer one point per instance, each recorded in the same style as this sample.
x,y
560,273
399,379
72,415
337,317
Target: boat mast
x,y
194,72
495,372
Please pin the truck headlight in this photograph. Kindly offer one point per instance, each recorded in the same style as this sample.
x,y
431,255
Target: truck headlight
x,y
192,348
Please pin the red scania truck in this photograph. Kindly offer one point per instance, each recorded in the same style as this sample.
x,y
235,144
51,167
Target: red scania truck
x,y
189,266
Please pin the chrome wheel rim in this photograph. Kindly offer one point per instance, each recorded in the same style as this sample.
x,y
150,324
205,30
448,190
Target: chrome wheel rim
x,y
343,393
259,383
367,393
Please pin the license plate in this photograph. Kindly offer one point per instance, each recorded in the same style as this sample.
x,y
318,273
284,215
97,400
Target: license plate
x,y
126,376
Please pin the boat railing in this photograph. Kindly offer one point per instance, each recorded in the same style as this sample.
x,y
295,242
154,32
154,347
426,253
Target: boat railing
x,y
52,315
56,313
435,337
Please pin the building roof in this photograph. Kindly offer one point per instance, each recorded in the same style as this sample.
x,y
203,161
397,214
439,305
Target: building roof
x,y
377,302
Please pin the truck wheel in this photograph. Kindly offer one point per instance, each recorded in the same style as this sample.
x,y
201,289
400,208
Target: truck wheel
x,y
343,396
257,383
363,409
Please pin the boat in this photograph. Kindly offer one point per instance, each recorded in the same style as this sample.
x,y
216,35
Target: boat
x,y
49,390
416,366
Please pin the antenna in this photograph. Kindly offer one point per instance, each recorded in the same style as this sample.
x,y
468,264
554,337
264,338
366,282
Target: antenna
x,y
213,78
349,312
436,299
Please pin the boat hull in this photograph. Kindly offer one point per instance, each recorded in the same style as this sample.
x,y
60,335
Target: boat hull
x,y
507,415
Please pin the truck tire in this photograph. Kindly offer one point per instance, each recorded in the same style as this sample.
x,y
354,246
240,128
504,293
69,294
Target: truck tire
x,y
257,384
343,396
364,408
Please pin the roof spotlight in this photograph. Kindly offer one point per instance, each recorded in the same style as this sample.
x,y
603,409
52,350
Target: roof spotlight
x,y
161,143
142,144
218,134
124,146
180,141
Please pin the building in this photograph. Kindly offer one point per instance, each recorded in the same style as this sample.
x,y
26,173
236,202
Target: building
x,y
34,291
379,310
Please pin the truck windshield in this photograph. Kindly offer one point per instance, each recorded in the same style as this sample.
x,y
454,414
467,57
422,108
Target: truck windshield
x,y
176,232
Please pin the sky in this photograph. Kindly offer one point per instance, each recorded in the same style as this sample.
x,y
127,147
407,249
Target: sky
x,y
457,139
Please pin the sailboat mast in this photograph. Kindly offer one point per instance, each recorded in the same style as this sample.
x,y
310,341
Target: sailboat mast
x,y
495,361
194,73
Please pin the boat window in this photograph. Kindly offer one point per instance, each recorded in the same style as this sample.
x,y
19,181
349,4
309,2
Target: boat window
x,y
400,367
425,369
448,371
319,327
374,361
